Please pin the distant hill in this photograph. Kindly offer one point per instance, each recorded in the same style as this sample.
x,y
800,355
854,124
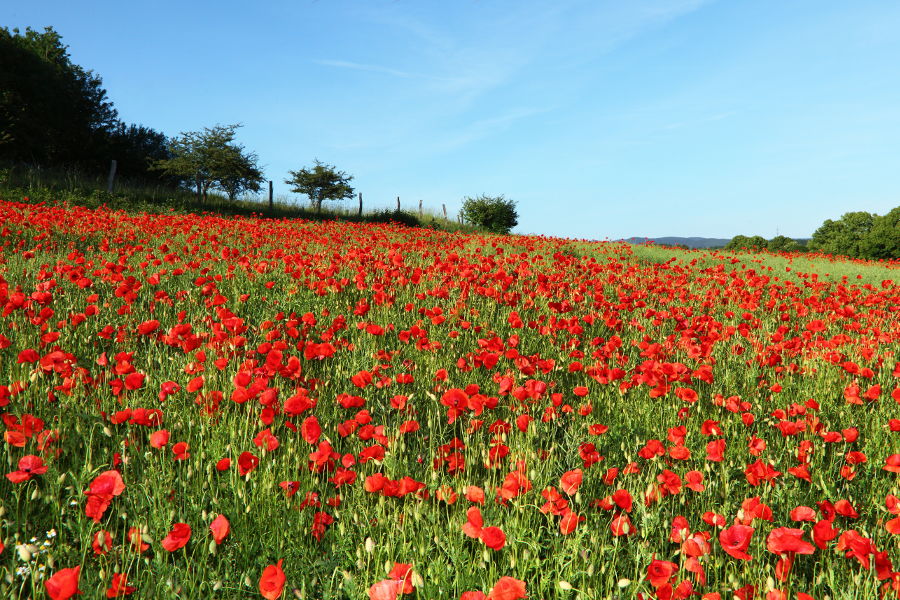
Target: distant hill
x,y
690,242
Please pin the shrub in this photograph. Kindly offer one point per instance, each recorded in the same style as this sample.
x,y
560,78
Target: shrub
x,y
494,213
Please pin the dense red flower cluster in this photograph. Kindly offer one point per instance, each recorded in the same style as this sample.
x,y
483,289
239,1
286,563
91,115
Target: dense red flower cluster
x,y
543,387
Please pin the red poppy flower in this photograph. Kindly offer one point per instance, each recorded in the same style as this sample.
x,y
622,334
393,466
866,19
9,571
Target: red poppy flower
x,y
711,518
403,572
102,542
177,538
220,528
475,494
803,513
247,462
735,540
387,589
571,481
160,438
785,540
29,466
103,489
507,588
148,327
493,537
694,481
311,430
63,584
271,583
623,500
660,572
134,381
823,532
119,586
136,540
569,522
474,523
621,525
180,450
892,463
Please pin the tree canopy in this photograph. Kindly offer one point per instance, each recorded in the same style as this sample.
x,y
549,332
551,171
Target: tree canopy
x,y
210,158
845,236
494,213
54,112
740,242
320,183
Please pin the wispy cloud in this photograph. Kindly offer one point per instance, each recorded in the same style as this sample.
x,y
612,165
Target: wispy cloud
x,y
483,128
355,66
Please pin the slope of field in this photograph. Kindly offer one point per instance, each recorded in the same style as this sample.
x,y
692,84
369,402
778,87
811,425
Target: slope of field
x,y
690,242
208,407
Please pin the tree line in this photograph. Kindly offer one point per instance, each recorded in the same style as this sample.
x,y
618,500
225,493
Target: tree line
x,y
55,113
856,235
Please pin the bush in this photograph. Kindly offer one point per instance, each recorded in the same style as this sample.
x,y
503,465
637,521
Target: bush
x,y
494,213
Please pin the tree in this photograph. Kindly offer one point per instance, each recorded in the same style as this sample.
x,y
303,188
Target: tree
x,y
210,158
52,111
321,183
494,213
883,239
843,237
743,242
137,148
241,172
782,243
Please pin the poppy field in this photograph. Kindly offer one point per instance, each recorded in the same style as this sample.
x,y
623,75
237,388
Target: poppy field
x,y
210,407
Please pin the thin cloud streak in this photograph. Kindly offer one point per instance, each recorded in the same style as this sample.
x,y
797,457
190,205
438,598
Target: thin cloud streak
x,y
354,66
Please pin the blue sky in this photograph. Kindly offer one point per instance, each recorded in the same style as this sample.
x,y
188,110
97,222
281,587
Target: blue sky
x,y
602,119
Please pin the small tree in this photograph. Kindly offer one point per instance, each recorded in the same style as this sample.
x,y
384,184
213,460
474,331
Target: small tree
x,y
883,239
494,213
782,243
241,172
210,158
321,182
844,236
743,242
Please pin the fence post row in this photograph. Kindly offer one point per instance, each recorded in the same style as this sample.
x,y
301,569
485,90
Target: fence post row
x,y
360,204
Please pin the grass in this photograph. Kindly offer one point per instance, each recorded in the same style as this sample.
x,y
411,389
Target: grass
x,y
72,187
795,265
539,325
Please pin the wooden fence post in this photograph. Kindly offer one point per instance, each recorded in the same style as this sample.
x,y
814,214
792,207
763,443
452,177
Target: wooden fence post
x,y
271,203
445,211
398,203
420,208
112,176
360,204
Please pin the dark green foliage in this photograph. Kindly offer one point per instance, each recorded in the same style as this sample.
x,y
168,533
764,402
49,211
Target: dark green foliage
x,y
494,213
54,112
322,182
883,239
856,235
782,243
136,149
843,237
741,242
211,159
